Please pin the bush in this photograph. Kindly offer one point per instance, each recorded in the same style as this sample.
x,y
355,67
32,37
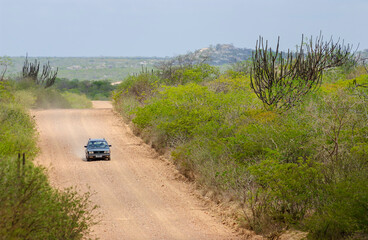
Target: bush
x,y
140,86
194,74
17,131
31,209
50,98
77,100
289,190
179,71
303,168
176,112
95,90
26,98
344,212
32,96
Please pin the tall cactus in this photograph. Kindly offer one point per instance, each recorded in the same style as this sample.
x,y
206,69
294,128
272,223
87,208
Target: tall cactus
x,y
280,79
31,71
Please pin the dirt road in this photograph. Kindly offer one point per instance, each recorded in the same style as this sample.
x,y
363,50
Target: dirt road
x,y
140,195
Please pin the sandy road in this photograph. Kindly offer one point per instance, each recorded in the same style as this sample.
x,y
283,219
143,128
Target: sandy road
x,y
139,195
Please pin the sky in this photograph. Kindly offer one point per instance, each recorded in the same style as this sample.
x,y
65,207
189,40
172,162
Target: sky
x,y
166,28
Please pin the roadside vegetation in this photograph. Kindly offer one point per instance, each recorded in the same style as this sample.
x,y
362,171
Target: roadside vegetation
x,y
94,90
36,89
284,135
30,208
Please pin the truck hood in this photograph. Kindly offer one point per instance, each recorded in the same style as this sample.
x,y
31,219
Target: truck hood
x,y
98,149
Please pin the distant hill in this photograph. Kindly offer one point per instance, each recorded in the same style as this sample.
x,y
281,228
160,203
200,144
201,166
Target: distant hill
x,y
224,54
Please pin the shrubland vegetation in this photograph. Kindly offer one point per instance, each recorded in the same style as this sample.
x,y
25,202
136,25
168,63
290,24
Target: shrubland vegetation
x,y
300,162
42,89
29,207
35,88
94,90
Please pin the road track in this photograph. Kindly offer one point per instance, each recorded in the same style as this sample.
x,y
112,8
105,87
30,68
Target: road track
x,y
141,196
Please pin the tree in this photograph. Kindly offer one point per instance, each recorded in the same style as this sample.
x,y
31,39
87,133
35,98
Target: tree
x,y
31,71
282,79
172,70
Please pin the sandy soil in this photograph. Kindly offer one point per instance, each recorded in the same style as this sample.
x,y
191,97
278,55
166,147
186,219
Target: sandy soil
x,y
141,195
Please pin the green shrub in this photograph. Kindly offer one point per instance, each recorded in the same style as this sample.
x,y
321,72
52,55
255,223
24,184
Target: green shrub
x,y
182,73
126,106
17,131
26,98
195,74
50,98
344,211
95,90
140,86
290,189
31,209
304,168
77,100
176,111
5,94
31,95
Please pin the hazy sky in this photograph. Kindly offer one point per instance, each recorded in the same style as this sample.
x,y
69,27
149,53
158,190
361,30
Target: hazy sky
x,y
170,27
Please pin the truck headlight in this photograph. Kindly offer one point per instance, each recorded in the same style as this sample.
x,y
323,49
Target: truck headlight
x,y
107,151
90,152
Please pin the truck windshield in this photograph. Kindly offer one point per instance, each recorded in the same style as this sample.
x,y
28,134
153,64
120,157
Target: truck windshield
x,y
97,144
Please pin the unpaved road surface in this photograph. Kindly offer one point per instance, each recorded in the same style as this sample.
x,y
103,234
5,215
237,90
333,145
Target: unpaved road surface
x,y
140,195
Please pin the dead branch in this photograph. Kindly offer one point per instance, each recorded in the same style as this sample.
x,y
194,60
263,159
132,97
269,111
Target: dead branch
x,y
281,79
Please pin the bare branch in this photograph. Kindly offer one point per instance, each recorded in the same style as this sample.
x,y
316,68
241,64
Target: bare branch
x,y
280,79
